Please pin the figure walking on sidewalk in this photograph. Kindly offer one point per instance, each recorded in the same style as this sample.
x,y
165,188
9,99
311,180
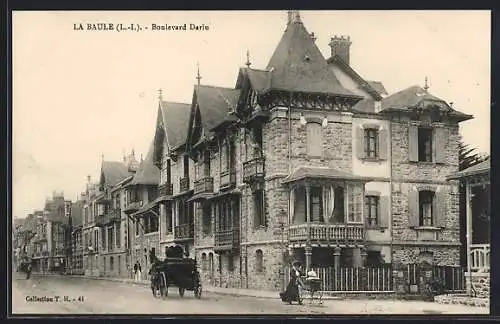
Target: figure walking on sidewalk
x,y
137,271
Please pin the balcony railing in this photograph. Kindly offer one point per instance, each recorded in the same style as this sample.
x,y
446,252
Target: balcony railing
x,y
133,206
184,184
41,237
45,253
183,232
227,240
253,170
227,179
327,232
480,257
165,189
204,185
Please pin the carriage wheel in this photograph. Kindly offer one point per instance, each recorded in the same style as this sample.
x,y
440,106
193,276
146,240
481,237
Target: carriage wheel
x,y
181,292
197,292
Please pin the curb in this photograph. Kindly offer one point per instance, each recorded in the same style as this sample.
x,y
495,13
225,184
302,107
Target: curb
x,y
207,289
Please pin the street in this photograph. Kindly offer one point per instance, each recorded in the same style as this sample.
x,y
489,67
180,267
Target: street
x,y
88,296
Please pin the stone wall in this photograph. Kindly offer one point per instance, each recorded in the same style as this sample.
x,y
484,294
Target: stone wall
x,y
480,283
267,277
442,255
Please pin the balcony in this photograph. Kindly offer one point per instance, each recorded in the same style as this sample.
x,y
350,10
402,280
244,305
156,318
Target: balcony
x,y
184,232
184,184
133,206
327,232
204,185
227,179
227,240
115,215
45,253
165,189
253,170
480,257
41,237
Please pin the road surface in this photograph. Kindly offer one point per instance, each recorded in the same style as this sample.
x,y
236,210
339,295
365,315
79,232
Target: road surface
x,y
88,296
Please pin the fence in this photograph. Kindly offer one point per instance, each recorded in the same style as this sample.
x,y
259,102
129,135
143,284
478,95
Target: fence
x,y
353,279
452,277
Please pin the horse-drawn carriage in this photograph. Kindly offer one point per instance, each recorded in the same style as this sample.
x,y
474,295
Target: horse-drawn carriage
x,y
175,270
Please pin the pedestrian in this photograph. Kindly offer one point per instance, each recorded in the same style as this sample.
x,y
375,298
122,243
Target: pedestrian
x,y
137,271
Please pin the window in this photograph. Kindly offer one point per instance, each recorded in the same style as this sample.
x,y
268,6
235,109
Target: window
x,y
207,217
153,223
119,264
230,263
168,214
118,234
169,172
103,238
371,149
137,224
372,203
316,202
111,263
314,140
206,163
186,166
204,262
260,215
110,238
257,148
425,199
259,259
424,144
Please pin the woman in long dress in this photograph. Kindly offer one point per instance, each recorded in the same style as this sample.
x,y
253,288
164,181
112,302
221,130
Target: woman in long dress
x,y
292,290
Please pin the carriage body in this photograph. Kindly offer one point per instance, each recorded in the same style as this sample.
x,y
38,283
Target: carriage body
x,y
179,272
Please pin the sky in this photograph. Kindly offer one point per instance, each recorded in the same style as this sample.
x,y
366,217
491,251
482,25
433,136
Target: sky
x,y
78,95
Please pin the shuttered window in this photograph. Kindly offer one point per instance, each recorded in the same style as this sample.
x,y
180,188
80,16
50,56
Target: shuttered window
x,y
424,144
426,207
372,210
316,204
259,214
314,140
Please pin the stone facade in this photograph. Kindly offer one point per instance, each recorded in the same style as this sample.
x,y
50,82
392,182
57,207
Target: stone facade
x,y
480,283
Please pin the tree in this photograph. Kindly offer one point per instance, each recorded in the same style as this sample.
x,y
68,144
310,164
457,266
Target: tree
x,y
468,156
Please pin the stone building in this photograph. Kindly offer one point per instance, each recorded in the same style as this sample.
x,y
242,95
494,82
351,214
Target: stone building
x,y
90,232
111,218
76,237
308,160
175,167
142,206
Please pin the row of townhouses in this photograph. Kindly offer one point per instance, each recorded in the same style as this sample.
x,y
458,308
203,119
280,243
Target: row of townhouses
x,y
303,160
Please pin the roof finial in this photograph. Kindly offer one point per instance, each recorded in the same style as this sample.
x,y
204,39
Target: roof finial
x,y
198,76
247,63
142,158
426,85
133,152
102,157
290,17
160,94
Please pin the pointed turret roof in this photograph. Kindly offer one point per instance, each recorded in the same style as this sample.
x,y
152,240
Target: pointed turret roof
x,y
175,117
147,173
298,65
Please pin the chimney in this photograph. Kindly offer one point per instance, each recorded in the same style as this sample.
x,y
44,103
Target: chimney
x,y
340,45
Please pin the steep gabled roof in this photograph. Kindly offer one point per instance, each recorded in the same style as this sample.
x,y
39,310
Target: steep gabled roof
x,y
260,80
148,173
215,103
175,118
368,86
114,172
415,96
379,87
298,65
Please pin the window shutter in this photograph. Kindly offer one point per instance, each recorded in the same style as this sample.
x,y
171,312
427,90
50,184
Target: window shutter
x,y
382,144
360,142
366,210
413,143
292,206
314,140
384,214
439,207
413,209
440,141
